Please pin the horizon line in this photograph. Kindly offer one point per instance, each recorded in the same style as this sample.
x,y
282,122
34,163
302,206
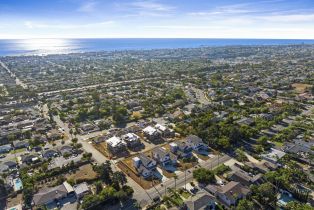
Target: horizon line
x,y
157,38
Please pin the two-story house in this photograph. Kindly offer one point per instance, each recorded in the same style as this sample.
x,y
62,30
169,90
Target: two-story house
x,y
196,143
163,157
144,165
181,149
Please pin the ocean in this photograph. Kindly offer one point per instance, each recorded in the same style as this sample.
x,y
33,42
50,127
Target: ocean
x,y
61,46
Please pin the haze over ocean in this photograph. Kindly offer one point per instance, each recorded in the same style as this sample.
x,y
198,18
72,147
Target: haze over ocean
x,y
60,46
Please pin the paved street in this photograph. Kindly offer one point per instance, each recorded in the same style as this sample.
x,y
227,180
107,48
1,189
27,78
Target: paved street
x,y
180,182
99,85
17,80
144,197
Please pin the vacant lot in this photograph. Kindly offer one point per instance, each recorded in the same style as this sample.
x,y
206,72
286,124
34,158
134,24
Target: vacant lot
x,y
84,173
300,87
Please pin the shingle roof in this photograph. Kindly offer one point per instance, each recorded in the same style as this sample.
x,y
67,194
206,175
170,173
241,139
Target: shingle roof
x,y
199,201
49,195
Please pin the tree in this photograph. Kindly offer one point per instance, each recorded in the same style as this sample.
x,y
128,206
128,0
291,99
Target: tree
x,y
298,206
265,193
98,186
224,142
90,201
240,155
119,178
203,175
263,140
245,204
105,171
74,140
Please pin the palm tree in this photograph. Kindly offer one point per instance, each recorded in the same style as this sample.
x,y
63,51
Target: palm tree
x,y
175,181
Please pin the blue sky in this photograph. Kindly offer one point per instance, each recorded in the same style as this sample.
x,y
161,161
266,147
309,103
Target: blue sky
x,y
157,18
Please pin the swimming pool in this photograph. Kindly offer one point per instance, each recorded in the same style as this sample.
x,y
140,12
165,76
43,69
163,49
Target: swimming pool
x,y
284,199
17,184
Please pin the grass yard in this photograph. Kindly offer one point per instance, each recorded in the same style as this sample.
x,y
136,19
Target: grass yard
x,y
278,144
185,194
176,199
85,173
18,151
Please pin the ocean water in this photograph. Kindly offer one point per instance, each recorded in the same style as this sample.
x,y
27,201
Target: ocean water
x,y
59,46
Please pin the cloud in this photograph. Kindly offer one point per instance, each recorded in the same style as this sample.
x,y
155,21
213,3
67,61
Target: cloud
x,y
88,6
152,6
31,25
289,18
225,10
145,8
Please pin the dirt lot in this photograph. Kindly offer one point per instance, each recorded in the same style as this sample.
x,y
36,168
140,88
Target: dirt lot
x,y
300,87
13,201
85,172
102,148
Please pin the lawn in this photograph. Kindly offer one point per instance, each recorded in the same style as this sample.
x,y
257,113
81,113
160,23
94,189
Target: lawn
x,y
278,144
176,200
17,151
185,194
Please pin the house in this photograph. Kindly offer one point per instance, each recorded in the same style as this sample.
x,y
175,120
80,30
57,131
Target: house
x,y
115,144
273,155
81,190
17,144
10,164
144,165
181,149
163,157
151,133
88,128
50,153
301,150
201,201
196,143
66,150
54,135
262,167
132,140
54,194
5,148
230,193
239,175
245,121
165,132
29,159
3,168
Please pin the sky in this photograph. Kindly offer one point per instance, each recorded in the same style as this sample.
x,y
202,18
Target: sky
x,y
276,19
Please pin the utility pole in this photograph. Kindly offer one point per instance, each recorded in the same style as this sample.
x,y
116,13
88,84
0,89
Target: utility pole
x,y
185,177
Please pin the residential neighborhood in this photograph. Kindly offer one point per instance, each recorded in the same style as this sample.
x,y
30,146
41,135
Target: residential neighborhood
x,y
191,128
